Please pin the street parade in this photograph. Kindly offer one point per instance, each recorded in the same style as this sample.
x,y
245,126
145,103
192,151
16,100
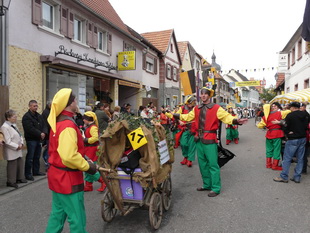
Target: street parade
x,y
109,123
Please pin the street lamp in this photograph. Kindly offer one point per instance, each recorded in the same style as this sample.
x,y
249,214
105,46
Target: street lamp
x,y
4,6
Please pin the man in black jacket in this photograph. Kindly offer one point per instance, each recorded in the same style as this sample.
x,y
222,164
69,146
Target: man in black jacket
x,y
295,127
35,132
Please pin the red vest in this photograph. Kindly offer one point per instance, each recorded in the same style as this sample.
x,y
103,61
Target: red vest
x,y
91,149
191,126
208,134
274,130
60,178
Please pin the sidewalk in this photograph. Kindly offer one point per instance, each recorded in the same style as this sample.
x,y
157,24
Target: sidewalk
x,y
4,189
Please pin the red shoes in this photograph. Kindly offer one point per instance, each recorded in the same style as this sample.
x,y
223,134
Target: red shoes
x,y
236,140
189,163
184,161
227,142
88,186
275,165
268,162
103,185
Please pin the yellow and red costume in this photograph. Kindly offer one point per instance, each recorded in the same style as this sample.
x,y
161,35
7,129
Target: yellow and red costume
x,y
65,174
274,135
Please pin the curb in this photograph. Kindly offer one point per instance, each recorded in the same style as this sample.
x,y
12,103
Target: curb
x,y
6,190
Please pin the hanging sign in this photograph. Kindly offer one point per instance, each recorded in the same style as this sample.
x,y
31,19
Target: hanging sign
x,y
137,138
247,83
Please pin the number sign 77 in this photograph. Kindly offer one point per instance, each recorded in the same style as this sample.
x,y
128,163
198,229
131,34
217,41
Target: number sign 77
x,y
137,138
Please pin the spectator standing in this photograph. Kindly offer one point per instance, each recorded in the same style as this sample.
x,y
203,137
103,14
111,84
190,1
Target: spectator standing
x,y
45,114
1,144
35,133
103,118
13,144
65,174
295,125
305,165
116,113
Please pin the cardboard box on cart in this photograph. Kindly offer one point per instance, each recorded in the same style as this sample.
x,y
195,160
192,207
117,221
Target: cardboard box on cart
x,y
130,189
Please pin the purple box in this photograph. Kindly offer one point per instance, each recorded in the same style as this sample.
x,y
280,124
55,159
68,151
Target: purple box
x,y
130,190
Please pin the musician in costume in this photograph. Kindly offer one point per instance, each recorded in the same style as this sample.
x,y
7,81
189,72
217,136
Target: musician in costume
x,y
67,164
187,141
91,143
274,133
232,133
206,117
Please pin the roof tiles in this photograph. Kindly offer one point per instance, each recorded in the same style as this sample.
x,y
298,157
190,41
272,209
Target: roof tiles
x,y
159,39
106,10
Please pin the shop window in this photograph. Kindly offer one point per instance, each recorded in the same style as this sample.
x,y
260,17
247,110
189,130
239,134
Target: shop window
x,y
296,87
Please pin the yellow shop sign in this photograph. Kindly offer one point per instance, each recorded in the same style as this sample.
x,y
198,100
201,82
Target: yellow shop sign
x,y
126,60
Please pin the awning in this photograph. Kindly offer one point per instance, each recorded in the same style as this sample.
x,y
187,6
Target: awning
x,y
298,96
222,104
239,105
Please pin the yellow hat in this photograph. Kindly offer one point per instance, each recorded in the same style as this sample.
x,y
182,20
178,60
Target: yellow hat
x,y
210,90
59,103
228,106
190,99
93,115
266,111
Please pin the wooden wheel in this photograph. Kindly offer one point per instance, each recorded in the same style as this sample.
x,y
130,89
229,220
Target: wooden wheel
x,y
156,210
166,193
108,210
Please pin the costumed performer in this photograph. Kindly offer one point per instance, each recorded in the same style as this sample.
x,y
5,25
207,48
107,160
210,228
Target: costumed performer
x,y
232,133
207,116
274,133
91,143
67,164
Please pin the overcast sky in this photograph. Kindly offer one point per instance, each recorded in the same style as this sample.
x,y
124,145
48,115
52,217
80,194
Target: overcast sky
x,y
244,34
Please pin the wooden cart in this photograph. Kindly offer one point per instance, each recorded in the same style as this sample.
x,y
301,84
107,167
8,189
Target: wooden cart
x,y
156,199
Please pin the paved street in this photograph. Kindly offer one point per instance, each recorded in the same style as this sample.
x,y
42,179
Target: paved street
x,y
250,200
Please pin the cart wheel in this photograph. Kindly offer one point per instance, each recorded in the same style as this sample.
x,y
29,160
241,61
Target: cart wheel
x,y
166,194
156,210
108,211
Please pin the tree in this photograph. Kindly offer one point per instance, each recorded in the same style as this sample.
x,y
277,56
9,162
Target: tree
x,y
268,94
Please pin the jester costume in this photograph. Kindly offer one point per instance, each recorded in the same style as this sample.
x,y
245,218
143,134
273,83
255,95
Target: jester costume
x,y
206,119
274,136
91,143
65,174
232,133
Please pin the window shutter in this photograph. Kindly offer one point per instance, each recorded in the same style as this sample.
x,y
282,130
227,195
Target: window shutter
x,y
144,61
70,25
64,21
109,50
95,37
90,34
155,65
37,12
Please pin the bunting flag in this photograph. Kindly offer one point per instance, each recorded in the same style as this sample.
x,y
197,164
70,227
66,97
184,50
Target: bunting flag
x,y
188,82
251,69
